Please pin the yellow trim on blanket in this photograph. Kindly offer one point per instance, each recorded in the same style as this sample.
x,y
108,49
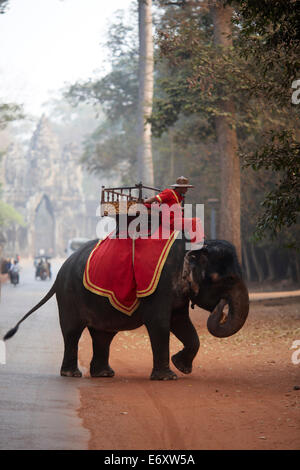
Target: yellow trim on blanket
x,y
160,264
143,293
112,299
104,292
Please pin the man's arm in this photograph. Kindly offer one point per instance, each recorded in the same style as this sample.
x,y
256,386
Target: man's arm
x,y
150,200
161,198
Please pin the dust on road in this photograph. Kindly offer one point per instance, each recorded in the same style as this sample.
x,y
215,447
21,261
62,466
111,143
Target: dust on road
x,y
242,393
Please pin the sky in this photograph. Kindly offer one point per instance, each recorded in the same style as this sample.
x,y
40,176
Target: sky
x,y
45,44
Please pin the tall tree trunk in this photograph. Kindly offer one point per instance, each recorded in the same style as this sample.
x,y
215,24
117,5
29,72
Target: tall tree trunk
x,y
257,264
144,151
270,264
246,262
230,225
172,162
297,267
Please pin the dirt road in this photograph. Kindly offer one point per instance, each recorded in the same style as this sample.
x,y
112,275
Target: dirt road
x,y
37,407
243,392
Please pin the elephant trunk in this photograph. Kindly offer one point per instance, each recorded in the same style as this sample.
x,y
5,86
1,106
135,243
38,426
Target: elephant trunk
x,y
222,324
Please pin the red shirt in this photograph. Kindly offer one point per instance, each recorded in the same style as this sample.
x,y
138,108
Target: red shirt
x,y
192,225
169,196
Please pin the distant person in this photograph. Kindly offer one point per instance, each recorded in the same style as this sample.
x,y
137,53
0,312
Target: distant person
x,y
49,268
14,272
6,266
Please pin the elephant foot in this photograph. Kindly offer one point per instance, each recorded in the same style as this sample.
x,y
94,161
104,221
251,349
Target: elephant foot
x,y
163,375
107,372
180,363
71,373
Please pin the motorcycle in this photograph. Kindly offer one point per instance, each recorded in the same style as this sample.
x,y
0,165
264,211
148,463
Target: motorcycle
x,y
14,278
42,273
43,269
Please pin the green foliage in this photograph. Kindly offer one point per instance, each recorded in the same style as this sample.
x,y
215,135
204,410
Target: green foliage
x,y
112,145
9,215
202,77
256,74
115,91
10,112
269,39
3,6
280,154
193,79
110,148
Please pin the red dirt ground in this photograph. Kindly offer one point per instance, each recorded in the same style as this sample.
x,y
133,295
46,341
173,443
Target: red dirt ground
x,y
242,393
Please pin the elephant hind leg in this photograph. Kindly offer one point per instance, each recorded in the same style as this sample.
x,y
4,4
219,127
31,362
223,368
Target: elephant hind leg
x,y
69,367
99,366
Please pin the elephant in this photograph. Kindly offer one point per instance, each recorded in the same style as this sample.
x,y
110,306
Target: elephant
x,y
209,277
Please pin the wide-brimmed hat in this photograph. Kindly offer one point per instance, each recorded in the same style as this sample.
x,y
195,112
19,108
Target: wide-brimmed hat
x,y
182,182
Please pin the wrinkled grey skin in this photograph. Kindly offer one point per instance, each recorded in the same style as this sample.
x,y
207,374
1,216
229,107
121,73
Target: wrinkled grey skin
x,y
210,278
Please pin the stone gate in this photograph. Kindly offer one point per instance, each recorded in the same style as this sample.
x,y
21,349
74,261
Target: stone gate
x,y
44,183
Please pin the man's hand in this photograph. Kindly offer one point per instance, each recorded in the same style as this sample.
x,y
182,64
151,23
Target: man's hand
x,y
150,200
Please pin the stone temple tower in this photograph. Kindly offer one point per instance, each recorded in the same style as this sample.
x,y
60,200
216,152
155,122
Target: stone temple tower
x,y
45,185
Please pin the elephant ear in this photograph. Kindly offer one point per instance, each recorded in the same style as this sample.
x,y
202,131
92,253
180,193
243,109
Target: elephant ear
x,y
193,272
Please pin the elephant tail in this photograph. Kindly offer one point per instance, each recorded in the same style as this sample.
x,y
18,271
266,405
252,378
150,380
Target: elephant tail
x,y
45,299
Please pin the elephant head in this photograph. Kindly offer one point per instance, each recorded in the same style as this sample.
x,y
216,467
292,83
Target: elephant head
x,y
214,280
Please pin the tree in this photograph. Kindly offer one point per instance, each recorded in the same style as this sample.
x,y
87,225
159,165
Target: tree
x,y
280,154
3,5
269,40
205,78
146,65
123,139
192,77
230,211
10,112
203,83
9,215
113,144
197,79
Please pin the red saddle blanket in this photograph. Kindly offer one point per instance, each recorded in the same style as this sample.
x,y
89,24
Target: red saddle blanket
x,y
126,269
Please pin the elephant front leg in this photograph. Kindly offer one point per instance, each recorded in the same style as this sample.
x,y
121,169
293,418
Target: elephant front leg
x,y
99,366
183,329
159,334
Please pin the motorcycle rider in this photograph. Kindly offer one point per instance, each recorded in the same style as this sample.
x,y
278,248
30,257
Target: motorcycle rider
x,y
43,268
14,272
